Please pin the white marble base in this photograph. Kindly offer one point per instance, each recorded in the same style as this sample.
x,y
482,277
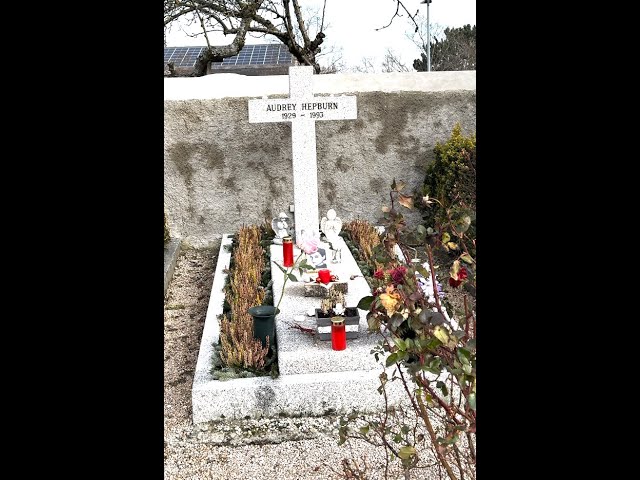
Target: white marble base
x,y
314,379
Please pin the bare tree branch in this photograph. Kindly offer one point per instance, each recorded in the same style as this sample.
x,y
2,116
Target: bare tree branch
x,y
392,63
239,17
303,29
397,14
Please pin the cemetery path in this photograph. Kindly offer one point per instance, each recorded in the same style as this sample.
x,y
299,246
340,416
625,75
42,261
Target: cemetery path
x,y
186,456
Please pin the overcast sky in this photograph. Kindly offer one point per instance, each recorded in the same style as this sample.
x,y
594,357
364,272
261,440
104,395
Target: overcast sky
x,y
352,25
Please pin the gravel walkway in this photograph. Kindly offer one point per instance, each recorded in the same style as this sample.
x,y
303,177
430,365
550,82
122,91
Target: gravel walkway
x,y
191,453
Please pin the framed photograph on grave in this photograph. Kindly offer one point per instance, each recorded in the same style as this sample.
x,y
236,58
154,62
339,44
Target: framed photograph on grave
x,y
319,258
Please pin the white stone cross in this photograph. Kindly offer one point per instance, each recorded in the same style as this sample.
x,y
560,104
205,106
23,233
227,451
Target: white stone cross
x,y
302,109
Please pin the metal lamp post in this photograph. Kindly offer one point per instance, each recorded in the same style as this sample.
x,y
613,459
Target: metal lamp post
x,y
428,37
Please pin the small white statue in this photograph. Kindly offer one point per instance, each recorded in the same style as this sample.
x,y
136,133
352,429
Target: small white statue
x,y
331,226
280,226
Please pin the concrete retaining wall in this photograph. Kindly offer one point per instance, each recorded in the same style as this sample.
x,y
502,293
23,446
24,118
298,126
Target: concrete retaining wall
x,y
220,171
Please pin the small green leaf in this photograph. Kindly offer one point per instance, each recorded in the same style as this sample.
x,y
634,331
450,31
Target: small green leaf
x,y
467,369
292,277
432,343
400,343
365,303
472,401
304,265
406,452
391,359
464,224
433,366
373,322
464,355
364,430
466,258
452,245
458,334
282,269
445,238
454,270
441,334
402,355
447,441
423,271
441,385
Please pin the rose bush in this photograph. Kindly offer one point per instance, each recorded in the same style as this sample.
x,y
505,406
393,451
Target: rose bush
x,y
434,355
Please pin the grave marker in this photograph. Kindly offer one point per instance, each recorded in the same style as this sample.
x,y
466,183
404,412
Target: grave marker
x,y
302,109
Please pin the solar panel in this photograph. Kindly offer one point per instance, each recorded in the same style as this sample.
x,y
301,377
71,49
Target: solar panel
x,y
182,56
265,54
269,54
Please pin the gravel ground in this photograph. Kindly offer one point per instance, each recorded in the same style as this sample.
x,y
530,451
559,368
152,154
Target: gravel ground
x,y
193,452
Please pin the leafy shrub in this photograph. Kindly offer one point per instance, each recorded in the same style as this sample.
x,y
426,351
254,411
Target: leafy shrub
x,y
434,354
451,179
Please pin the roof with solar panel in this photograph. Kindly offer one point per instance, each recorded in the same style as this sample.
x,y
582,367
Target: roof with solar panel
x,y
265,59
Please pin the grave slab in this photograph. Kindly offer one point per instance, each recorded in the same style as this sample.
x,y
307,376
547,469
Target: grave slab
x,y
301,353
332,383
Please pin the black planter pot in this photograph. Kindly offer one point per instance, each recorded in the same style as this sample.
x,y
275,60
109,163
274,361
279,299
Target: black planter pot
x,y
264,323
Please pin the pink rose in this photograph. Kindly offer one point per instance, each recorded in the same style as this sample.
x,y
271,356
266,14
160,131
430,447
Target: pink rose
x,y
308,245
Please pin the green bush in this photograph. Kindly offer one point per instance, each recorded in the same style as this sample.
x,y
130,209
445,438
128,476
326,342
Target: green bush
x,y
451,178
166,230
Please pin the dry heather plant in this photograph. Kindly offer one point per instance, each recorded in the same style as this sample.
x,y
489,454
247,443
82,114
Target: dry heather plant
x,y
364,235
239,348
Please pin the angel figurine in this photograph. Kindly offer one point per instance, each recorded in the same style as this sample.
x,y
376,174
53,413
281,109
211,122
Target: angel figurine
x,y
280,226
331,226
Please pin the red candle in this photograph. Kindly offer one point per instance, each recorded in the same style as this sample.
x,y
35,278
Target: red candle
x,y
338,334
324,275
287,251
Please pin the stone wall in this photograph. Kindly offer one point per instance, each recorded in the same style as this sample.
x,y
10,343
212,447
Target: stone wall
x,y
220,171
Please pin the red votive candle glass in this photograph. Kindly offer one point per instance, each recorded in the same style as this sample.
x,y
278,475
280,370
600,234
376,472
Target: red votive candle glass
x,y
287,251
324,275
338,334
